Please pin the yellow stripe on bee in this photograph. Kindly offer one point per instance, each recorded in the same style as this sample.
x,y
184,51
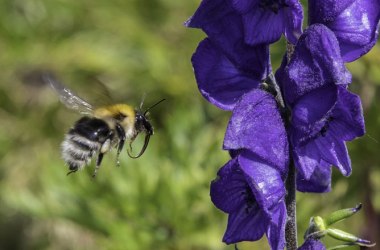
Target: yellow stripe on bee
x,y
113,110
107,113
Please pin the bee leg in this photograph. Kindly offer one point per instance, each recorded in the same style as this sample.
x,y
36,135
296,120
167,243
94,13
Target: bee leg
x,y
121,135
70,172
98,162
73,168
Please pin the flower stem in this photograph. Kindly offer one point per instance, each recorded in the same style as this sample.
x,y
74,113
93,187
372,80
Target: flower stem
x,y
290,200
290,185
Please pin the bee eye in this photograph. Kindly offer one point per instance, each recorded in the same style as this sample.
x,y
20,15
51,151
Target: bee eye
x,y
120,116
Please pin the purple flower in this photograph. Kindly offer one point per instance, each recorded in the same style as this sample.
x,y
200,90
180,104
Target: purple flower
x,y
223,81
251,192
324,113
323,138
354,22
256,125
225,66
250,186
311,244
316,62
224,28
266,20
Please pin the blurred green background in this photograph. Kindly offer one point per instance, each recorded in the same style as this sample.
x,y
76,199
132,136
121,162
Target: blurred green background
x,y
161,200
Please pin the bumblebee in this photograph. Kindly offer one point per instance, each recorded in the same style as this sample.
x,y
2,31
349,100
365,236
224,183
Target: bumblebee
x,y
100,129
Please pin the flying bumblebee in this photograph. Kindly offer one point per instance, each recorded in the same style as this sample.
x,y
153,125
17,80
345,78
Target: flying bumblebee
x,y
100,129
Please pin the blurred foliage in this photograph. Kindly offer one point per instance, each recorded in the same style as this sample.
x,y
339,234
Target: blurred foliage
x,y
161,200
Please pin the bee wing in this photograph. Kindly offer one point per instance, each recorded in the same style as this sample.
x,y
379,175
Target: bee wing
x,y
68,97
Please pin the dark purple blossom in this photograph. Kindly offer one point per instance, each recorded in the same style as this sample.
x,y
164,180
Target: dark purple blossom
x,y
312,244
256,125
254,204
224,28
354,22
266,20
324,113
316,62
221,81
250,186
326,140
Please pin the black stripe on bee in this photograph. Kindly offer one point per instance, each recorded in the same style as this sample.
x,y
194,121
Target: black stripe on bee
x,y
91,128
84,141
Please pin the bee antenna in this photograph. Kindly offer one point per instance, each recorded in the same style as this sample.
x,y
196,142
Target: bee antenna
x,y
154,105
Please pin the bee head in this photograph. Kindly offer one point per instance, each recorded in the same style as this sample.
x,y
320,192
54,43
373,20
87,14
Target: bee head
x,y
142,124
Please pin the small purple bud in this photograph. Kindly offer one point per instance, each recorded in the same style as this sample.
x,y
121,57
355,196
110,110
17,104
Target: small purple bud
x,y
357,208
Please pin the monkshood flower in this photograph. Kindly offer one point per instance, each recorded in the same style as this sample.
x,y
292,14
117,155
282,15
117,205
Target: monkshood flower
x,y
256,125
225,66
224,29
266,20
324,113
223,81
250,187
354,22
254,204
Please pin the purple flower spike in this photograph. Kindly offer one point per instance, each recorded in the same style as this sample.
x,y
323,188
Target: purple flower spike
x,y
219,80
311,244
316,62
354,22
235,192
326,140
256,125
266,20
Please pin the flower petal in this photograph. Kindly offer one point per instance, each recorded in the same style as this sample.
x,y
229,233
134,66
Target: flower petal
x,y
309,119
345,122
354,22
329,148
224,27
309,68
319,182
226,190
265,181
348,122
306,160
245,225
256,125
219,80
244,6
231,192
293,19
265,25
276,230
312,244
262,26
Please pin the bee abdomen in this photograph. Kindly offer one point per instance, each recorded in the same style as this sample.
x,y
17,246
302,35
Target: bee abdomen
x,y
83,142
78,151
